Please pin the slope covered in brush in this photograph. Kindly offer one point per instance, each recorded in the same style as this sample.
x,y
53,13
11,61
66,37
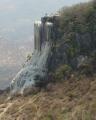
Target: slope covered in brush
x,y
75,45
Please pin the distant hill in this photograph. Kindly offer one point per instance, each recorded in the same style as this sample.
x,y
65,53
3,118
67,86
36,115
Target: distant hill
x,y
12,57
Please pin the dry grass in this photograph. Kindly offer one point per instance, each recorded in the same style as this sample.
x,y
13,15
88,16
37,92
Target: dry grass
x,y
73,99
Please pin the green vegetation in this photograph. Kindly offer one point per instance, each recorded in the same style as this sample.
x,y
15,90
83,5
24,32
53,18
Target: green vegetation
x,y
77,37
76,22
62,72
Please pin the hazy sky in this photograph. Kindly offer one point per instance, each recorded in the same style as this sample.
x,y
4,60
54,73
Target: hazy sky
x,y
18,12
17,16
33,8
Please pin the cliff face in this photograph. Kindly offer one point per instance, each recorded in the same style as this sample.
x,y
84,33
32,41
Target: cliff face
x,y
63,44
75,44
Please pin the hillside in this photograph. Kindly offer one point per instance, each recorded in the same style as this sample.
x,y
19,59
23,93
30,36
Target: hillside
x,y
71,91
73,99
75,44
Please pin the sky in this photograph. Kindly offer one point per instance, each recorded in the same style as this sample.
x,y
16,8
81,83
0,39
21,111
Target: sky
x,y
16,31
17,16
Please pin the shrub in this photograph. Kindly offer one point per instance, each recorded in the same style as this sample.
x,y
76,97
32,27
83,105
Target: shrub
x,y
86,69
62,72
29,57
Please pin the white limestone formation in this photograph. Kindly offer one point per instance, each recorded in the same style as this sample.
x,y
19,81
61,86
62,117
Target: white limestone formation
x,y
26,78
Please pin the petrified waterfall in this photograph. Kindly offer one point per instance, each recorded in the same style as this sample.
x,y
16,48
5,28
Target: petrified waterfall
x,y
36,69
